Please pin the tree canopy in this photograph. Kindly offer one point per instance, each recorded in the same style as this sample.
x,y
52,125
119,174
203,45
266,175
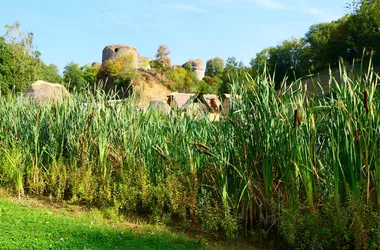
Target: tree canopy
x,y
20,63
325,44
162,58
214,67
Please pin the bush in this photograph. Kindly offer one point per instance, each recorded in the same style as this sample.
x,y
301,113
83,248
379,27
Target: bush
x,y
122,69
183,80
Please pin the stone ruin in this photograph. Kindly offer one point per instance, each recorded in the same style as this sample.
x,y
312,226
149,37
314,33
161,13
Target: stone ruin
x,y
197,67
113,52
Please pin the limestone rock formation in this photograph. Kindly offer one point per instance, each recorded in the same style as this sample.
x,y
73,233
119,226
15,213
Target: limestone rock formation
x,y
41,91
198,67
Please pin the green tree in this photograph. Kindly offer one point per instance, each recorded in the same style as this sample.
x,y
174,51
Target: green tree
x,y
260,62
162,59
73,77
234,69
364,27
183,80
214,67
339,46
289,59
20,62
91,72
50,73
319,39
5,67
187,67
121,70
203,87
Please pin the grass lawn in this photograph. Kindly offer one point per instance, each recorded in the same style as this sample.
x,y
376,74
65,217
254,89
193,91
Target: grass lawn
x,y
25,226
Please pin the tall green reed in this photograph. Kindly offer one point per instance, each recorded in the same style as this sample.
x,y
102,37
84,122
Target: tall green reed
x,y
278,151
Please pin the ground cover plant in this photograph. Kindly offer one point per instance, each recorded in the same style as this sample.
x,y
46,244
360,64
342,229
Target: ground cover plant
x,y
302,166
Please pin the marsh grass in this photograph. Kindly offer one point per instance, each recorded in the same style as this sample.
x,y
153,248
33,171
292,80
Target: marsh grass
x,y
287,160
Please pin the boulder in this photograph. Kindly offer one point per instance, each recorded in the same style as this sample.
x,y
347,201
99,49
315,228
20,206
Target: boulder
x,y
160,106
41,90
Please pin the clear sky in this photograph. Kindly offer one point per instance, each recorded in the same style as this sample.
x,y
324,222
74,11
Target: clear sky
x,y
78,30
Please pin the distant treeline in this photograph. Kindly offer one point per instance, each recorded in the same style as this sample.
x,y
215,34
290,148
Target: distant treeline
x,y
325,43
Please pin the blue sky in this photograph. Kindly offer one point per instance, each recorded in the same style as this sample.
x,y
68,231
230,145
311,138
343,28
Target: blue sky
x,y
75,30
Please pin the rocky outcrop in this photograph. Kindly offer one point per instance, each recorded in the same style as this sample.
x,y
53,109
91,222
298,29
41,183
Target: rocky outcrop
x,y
42,91
198,67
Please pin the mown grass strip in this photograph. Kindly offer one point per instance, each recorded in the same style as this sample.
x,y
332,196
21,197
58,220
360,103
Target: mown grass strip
x,y
25,227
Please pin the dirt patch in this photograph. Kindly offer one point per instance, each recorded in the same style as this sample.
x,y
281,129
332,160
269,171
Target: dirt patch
x,y
149,86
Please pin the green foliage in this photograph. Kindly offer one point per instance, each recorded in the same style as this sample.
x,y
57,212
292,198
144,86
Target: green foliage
x,y
121,70
259,63
204,87
233,70
163,63
73,77
325,43
51,74
209,80
153,64
20,63
214,219
145,63
363,27
320,39
187,66
11,161
183,80
209,85
288,60
90,73
214,67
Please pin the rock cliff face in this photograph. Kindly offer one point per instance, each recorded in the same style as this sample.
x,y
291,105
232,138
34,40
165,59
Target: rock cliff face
x,y
113,52
198,67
